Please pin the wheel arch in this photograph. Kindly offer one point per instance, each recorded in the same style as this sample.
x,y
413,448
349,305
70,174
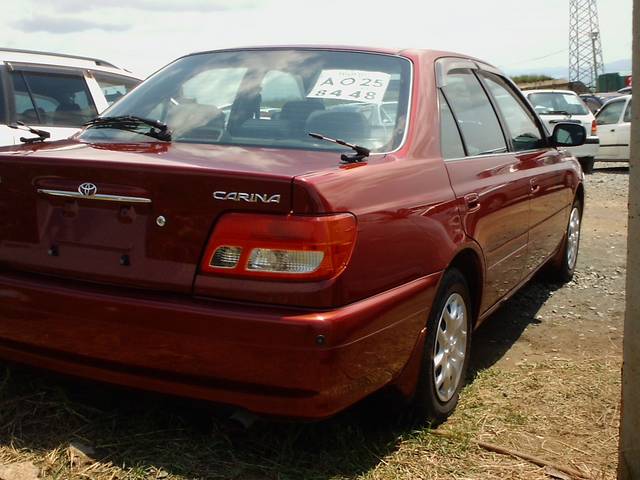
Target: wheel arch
x,y
579,195
469,262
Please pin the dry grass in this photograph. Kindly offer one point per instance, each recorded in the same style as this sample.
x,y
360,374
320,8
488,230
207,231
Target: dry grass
x,y
565,411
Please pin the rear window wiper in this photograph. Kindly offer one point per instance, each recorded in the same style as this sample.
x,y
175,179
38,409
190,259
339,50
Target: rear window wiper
x,y
132,123
361,152
42,135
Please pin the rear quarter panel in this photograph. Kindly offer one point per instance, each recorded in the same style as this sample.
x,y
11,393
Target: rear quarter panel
x,y
408,222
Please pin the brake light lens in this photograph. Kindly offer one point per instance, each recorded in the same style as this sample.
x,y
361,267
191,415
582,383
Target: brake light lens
x,y
281,247
594,127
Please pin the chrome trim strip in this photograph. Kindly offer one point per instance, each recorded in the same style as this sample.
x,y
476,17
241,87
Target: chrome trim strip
x,y
98,196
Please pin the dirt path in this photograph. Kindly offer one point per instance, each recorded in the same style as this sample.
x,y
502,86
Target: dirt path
x,y
585,317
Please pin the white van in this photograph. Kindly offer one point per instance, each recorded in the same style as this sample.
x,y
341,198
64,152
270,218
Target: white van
x,y
55,93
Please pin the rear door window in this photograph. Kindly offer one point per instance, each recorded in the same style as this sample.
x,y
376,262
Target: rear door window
x,y
3,103
472,110
627,113
114,87
450,141
610,113
522,128
52,99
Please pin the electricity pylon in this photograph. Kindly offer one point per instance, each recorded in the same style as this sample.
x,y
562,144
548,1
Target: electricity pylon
x,y
585,47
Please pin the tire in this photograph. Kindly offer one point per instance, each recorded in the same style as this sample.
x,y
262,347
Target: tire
x,y
587,164
436,397
563,268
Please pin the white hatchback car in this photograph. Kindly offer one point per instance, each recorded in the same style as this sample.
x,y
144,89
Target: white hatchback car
x,y
614,127
55,93
556,106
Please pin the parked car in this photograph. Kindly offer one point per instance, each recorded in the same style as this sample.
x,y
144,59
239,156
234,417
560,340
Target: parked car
x,y
256,261
592,101
614,127
555,106
55,92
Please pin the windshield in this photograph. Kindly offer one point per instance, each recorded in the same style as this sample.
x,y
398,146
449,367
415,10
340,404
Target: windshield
x,y
554,103
273,98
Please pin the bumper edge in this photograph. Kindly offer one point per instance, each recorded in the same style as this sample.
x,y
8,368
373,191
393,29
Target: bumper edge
x,y
263,359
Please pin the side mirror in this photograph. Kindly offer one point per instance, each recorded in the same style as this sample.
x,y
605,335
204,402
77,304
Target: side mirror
x,y
568,135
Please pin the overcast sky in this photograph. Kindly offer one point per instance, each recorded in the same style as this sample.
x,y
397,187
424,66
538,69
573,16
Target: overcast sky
x,y
143,35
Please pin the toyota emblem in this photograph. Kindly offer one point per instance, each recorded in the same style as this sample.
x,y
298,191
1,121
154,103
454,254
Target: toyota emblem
x,y
88,189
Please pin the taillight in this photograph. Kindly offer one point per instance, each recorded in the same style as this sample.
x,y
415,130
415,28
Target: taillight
x,y
594,128
280,246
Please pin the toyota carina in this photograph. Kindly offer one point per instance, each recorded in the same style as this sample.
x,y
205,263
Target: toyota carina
x,y
286,230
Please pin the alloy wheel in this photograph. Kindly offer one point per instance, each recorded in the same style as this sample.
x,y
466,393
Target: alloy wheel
x,y
450,347
573,238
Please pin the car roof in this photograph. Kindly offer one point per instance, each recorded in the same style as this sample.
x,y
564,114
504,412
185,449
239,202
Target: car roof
x,y
422,52
619,98
61,60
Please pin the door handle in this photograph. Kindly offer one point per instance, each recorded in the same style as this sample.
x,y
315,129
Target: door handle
x,y
473,202
535,187
612,130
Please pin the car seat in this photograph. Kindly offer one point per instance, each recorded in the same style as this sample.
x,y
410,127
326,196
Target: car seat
x,y
297,112
342,125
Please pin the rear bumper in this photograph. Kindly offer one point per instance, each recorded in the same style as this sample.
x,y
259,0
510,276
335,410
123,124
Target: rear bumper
x,y
274,361
590,148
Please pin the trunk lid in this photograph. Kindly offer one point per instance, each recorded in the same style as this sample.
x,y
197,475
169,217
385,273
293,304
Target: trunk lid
x,y
92,212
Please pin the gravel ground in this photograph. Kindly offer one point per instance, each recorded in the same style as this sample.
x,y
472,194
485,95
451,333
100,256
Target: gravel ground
x,y
584,317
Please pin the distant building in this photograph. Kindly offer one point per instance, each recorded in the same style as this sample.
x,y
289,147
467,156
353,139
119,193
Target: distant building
x,y
555,84
612,82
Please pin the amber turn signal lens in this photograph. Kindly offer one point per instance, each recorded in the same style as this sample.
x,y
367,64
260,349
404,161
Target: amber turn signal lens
x,y
226,257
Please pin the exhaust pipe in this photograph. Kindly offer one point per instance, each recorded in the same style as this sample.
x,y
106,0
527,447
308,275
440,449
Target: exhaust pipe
x,y
243,418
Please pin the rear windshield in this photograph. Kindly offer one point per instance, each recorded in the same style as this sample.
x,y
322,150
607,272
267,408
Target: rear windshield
x,y
557,103
273,98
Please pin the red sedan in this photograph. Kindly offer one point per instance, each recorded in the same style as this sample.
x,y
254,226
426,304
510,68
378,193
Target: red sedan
x,y
286,230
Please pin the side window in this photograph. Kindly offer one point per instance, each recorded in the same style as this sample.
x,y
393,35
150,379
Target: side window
x,y
450,141
523,129
474,113
627,113
215,87
3,105
610,113
114,87
57,100
3,102
25,109
279,88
